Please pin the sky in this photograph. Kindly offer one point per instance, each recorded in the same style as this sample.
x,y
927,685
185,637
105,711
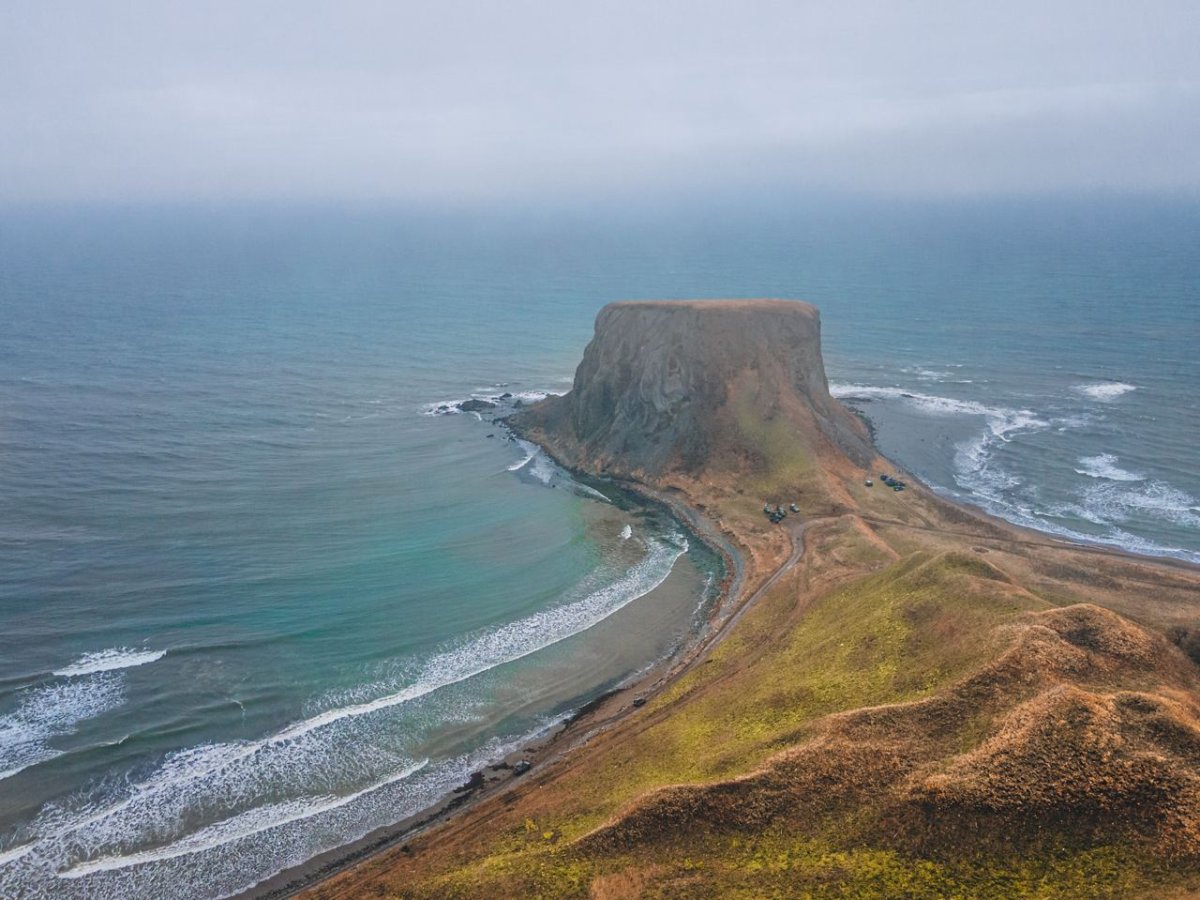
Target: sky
x,y
461,100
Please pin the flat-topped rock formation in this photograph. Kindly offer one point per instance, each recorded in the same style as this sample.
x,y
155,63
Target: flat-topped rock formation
x,y
694,385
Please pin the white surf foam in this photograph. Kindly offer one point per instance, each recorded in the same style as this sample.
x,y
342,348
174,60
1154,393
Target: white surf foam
x,y
108,660
514,641
442,407
588,491
12,854
1105,466
1104,391
233,855
1113,536
927,374
247,824
1119,503
530,450
982,480
932,403
46,712
451,408
1076,420
543,468
974,459
232,774
535,396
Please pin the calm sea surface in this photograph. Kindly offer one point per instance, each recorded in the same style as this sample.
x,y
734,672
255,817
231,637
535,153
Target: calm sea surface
x,y
257,598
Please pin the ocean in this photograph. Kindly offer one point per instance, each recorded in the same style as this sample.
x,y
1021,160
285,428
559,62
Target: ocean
x,y
260,596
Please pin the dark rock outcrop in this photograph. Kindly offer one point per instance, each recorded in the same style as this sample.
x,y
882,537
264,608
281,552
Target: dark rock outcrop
x,y
690,385
475,405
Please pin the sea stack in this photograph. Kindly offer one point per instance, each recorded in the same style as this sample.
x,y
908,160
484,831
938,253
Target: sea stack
x,y
695,386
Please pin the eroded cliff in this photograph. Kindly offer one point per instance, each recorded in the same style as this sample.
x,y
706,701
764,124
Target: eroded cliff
x,y
691,385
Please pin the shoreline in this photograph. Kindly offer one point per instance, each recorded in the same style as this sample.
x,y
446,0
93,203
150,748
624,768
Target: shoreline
x,y
1074,538
609,710
576,728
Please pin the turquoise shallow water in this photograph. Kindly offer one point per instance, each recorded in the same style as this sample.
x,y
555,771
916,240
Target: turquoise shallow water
x,y
256,601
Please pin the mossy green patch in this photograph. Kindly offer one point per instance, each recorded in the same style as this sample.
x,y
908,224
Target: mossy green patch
x,y
788,461
775,864
870,643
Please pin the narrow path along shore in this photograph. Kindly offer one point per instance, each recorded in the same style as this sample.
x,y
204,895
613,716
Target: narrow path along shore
x,y
798,546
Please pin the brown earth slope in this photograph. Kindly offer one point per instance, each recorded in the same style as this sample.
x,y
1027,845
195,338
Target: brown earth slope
x,y
912,699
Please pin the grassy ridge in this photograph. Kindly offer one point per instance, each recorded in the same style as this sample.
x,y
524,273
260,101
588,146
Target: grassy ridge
x,y
896,636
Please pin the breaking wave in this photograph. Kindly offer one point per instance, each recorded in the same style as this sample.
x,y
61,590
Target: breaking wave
x,y
1117,502
244,825
530,451
49,711
1104,391
934,404
504,401
1105,466
108,660
974,463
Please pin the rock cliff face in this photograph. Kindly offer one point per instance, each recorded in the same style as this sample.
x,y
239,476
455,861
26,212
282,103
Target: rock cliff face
x,y
689,385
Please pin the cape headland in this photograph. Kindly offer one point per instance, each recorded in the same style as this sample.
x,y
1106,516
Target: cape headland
x,y
899,696
688,386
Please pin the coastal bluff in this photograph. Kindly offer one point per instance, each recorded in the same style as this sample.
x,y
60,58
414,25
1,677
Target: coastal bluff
x,y
899,697
700,385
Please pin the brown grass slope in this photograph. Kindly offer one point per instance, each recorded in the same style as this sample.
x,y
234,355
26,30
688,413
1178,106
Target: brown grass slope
x,y
874,727
1068,748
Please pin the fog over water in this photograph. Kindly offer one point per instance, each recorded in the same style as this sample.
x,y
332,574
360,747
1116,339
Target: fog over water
x,y
465,101
265,587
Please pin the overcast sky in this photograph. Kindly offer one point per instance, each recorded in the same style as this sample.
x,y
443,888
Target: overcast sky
x,y
458,100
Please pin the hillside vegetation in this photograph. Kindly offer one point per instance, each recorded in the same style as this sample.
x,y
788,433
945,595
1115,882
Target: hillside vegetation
x,y
916,701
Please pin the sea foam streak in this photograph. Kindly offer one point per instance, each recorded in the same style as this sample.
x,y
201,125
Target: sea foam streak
x,y
974,465
235,854
243,825
47,712
502,402
1104,391
223,782
539,466
530,450
1107,504
513,641
1105,466
12,854
1156,499
107,660
932,403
